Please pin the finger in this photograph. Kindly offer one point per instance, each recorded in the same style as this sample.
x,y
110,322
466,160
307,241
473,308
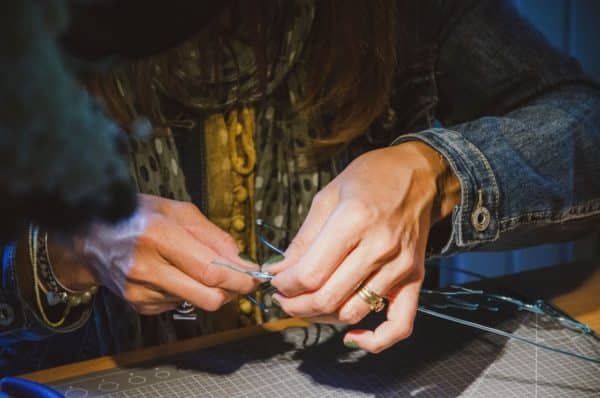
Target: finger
x,y
320,209
155,296
173,281
154,309
335,318
350,316
140,294
399,325
335,241
190,256
332,319
219,241
388,276
337,289
188,216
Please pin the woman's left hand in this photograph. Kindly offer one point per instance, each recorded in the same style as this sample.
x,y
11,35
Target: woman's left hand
x,y
368,227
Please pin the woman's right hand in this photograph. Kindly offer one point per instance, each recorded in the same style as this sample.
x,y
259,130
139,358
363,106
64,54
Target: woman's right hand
x,y
156,259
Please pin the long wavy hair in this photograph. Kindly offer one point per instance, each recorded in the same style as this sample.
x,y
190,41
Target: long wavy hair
x,y
350,58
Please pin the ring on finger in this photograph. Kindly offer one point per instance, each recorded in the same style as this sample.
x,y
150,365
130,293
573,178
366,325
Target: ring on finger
x,y
375,302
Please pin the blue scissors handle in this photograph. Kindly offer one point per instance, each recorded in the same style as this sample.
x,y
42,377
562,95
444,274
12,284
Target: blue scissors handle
x,y
22,388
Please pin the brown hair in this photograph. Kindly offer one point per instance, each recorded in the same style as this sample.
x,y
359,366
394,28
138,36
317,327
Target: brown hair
x,y
350,58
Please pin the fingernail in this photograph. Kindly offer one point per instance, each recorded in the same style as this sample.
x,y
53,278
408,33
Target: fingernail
x,y
273,260
351,344
246,257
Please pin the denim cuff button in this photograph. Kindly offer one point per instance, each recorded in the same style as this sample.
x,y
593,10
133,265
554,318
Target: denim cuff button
x,y
480,219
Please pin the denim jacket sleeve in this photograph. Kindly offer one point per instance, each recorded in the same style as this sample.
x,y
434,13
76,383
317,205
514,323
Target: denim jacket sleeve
x,y
523,133
18,321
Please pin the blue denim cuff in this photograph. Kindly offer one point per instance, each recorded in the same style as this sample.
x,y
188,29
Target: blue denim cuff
x,y
476,220
19,322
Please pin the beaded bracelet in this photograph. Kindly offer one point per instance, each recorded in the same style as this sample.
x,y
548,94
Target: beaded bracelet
x,y
56,292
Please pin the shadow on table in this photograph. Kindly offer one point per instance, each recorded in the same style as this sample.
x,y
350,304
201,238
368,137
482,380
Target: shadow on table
x,y
427,363
437,360
440,359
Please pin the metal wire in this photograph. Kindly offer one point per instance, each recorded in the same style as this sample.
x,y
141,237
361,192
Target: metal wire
x,y
470,299
262,275
504,334
540,307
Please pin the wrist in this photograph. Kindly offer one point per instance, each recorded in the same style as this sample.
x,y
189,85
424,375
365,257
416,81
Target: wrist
x,y
70,269
438,170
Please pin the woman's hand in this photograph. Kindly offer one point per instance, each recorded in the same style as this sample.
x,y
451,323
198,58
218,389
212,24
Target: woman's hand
x,y
368,227
158,258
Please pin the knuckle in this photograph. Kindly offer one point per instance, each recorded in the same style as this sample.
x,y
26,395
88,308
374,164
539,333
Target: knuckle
x,y
228,240
211,305
168,207
298,244
320,199
154,231
164,206
249,287
377,347
211,276
132,295
189,210
146,310
214,303
408,262
404,265
350,316
147,239
385,245
324,303
137,272
310,281
188,207
405,331
357,212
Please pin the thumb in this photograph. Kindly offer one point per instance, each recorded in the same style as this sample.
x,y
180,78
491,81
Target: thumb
x,y
318,214
280,262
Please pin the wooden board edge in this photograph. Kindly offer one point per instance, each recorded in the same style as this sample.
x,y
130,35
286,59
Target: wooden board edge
x,y
150,353
583,303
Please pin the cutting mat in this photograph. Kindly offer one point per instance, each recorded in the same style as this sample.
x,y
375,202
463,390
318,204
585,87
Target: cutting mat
x,y
440,360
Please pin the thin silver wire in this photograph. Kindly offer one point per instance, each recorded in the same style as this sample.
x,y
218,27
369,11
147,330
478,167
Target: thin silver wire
x,y
270,245
584,329
264,241
261,275
504,334
539,307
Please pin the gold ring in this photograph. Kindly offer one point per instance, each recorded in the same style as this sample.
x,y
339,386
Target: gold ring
x,y
376,302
